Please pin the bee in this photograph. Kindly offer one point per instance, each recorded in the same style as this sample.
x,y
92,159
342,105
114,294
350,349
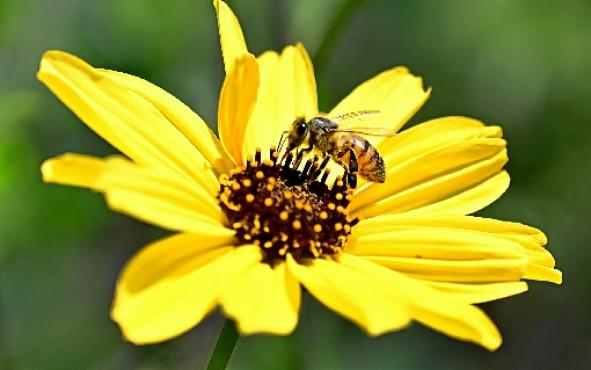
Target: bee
x,y
345,146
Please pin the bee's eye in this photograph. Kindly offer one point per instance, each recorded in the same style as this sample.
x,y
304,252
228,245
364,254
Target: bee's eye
x,y
302,128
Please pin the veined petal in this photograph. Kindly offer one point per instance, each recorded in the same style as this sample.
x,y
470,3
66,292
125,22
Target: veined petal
x,y
172,284
263,299
431,177
155,195
237,100
231,37
395,93
181,116
455,248
287,91
351,294
459,164
125,119
428,306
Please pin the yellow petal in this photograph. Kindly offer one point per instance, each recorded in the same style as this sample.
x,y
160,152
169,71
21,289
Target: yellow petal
x,y
479,293
263,300
125,119
155,195
180,115
430,307
430,168
231,37
287,90
446,247
396,93
432,176
172,284
353,295
237,100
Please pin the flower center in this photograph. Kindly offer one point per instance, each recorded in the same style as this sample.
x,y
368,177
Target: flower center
x,y
286,206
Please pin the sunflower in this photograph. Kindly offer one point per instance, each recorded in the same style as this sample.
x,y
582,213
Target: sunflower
x,y
252,229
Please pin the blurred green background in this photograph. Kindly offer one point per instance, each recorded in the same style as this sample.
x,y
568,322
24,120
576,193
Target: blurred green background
x,y
523,64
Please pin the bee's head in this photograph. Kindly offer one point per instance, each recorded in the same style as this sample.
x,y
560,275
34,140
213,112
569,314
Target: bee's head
x,y
299,131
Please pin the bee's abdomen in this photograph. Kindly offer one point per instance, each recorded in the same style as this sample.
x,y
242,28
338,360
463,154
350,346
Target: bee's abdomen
x,y
371,163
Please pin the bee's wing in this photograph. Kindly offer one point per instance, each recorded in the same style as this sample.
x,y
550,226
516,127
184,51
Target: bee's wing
x,y
369,131
354,116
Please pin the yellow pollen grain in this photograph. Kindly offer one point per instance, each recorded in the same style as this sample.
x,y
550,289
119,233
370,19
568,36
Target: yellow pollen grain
x,y
268,244
295,244
296,224
257,223
339,196
299,204
284,237
266,229
236,225
259,175
235,185
332,206
283,215
247,182
270,187
347,228
323,215
271,180
247,237
268,163
338,226
308,208
288,195
341,209
340,183
249,198
348,197
317,228
268,202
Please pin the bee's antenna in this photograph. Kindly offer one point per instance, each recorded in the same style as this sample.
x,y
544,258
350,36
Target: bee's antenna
x,y
281,141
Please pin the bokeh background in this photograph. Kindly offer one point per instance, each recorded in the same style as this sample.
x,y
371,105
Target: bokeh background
x,y
523,64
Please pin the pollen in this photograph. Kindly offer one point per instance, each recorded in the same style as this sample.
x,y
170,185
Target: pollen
x,y
261,198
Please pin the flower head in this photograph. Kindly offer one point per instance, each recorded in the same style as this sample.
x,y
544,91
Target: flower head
x,y
252,227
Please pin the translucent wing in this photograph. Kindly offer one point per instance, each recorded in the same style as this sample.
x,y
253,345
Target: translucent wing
x,y
354,116
369,131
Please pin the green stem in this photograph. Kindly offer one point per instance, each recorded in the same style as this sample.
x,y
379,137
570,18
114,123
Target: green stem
x,y
224,347
332,31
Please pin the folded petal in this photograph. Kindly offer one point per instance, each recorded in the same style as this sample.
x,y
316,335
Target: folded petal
x,y
353,295
422,171
125,119
263,299
154,195
172,284
287,90
181,116
455,248
395,93
231,37
442,312
237,101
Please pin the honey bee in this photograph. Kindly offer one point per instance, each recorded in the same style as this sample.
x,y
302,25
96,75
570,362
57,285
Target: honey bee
x,y
345,146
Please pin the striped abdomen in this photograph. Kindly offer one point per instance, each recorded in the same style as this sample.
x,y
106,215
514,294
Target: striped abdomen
x,y
369,162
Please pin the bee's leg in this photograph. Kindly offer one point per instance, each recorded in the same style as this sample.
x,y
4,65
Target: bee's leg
x,y
353,168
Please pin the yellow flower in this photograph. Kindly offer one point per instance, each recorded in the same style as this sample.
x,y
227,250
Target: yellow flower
x,y
251,233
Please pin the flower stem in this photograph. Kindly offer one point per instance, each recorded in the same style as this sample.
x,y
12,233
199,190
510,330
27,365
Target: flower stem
x,y
333,30
224,347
